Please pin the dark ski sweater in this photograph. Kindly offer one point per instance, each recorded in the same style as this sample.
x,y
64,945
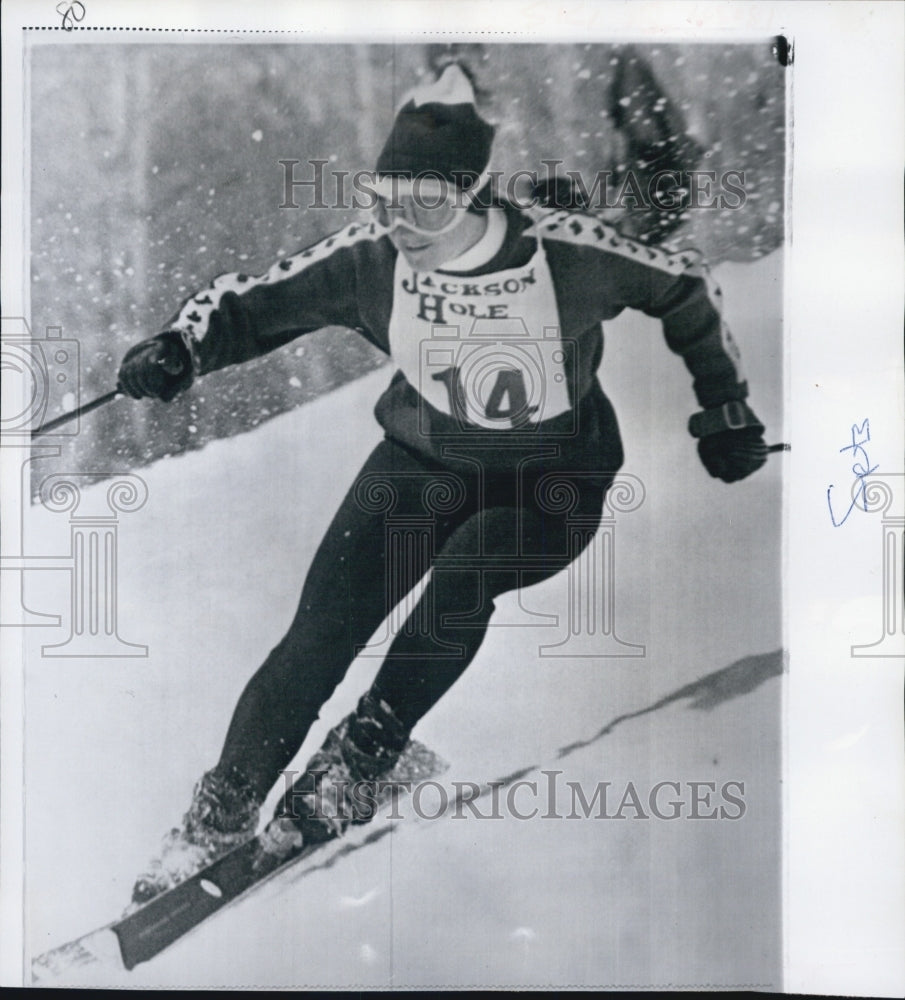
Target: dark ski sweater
x,y
496,365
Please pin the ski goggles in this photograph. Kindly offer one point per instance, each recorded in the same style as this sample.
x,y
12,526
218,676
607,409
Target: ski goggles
x,y
430,206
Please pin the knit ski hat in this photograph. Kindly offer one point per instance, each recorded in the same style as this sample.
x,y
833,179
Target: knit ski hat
x,y
439,132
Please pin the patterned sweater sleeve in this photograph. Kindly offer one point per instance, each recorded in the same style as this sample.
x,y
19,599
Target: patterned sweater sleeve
x,y
239,317
693,325
605,273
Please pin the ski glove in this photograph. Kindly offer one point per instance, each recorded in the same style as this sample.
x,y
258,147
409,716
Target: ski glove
x,y
731,440
161,367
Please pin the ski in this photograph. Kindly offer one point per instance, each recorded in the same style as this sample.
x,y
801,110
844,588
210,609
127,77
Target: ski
x,y
144,933
163,920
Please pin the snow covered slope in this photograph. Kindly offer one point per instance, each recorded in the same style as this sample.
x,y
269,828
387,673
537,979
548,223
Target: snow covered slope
x,y
210,570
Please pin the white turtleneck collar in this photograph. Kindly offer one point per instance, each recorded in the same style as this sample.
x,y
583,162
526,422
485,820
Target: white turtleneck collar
x,y
487,246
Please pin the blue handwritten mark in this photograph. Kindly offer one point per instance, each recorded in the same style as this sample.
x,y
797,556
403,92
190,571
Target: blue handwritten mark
x,y
72,11
862,469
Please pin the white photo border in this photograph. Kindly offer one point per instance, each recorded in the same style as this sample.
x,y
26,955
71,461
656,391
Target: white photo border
x,y
844,767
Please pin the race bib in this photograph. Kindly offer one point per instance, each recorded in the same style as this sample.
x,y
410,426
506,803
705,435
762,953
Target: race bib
x,y
485,350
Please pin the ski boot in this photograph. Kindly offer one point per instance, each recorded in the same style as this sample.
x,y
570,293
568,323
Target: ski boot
x,y
223,814
341,784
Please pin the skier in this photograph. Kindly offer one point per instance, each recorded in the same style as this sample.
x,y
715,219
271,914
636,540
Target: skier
x,y
492,315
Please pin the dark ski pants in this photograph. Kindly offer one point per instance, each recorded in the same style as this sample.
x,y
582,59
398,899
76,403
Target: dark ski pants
x,y
480,535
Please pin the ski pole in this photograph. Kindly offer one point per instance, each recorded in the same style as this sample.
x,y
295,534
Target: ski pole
x,y
170,366
781,446
108,397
